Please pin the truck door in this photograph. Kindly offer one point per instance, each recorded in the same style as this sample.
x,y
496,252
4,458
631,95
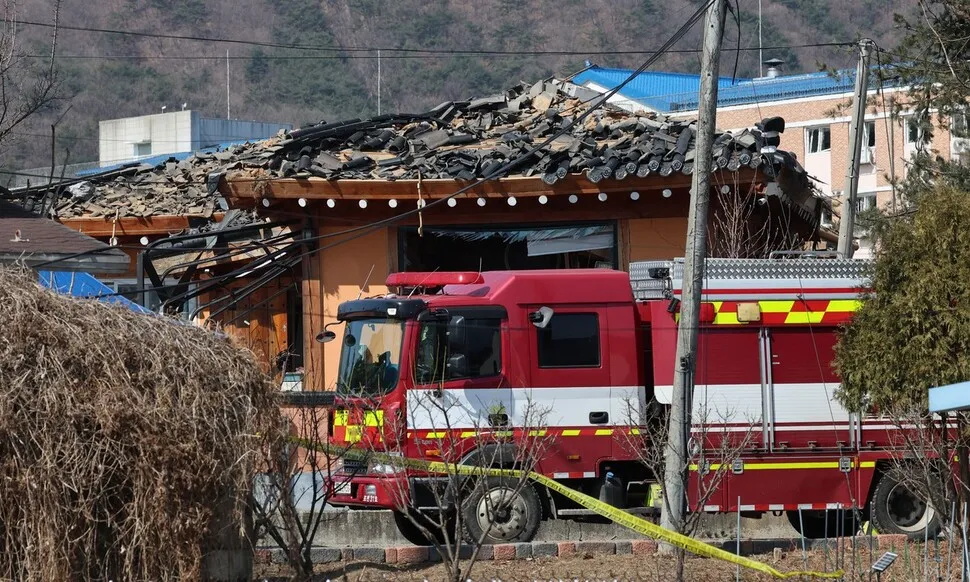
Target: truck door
x,y
806,414
460,383
571,377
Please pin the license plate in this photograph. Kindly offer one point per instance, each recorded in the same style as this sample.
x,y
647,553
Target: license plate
x,y
341,488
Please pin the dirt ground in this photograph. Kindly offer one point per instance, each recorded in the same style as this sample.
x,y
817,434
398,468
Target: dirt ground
x,y
589,568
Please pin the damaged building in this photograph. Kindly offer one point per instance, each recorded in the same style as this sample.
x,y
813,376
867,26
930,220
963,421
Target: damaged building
x,y
265,239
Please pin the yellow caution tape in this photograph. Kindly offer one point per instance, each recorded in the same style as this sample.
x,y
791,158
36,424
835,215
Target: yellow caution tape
x,y
618,516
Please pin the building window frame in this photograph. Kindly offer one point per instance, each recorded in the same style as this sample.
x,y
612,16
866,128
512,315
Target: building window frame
x,y
911,125
866,201
818,139
141,149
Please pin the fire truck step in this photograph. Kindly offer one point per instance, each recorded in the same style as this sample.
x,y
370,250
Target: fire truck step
x,y
633,510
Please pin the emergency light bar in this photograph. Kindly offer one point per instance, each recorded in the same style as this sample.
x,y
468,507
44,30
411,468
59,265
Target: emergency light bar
x,y
433,279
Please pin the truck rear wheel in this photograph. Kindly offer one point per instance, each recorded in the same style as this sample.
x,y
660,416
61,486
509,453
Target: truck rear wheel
x,y
897,510
496,513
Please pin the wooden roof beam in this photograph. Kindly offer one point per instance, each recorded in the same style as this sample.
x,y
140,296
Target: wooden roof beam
x,y
246,188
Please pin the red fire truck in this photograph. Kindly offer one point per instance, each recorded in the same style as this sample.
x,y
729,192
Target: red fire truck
x,y
584,344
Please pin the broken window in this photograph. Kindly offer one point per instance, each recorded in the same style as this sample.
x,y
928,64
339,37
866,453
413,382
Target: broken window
x,y
914,131
865,201
869,139
508,248
819,140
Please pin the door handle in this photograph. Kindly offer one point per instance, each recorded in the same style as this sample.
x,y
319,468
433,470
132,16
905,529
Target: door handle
x,y
599,417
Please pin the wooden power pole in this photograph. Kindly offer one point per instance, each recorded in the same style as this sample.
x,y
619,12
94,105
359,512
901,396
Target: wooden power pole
x,y
675,461
851,188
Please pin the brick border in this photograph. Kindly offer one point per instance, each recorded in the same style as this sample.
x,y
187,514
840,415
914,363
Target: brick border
x,y
411,555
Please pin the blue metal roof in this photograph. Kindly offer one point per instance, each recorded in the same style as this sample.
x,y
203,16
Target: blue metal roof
x,y
667,92
157,160
773,89
653,89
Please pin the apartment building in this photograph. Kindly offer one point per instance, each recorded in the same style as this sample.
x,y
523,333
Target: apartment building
x,y
816,108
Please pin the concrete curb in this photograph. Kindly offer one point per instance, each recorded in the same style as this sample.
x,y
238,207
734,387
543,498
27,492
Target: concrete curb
x,y
410,555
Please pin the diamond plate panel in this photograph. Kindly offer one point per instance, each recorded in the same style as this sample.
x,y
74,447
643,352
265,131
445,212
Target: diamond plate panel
x,y
749,269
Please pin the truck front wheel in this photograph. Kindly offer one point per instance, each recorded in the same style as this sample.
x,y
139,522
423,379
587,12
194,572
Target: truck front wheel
x,y
897,510
408,526
499,510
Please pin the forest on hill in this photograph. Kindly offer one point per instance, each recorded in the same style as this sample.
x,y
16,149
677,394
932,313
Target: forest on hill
x,y
303,62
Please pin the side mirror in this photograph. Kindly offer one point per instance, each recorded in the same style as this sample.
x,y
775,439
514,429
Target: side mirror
x,y
540,318
457,366
326,336
456,334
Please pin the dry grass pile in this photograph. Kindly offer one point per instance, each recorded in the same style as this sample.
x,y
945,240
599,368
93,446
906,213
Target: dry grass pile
x,y
119,433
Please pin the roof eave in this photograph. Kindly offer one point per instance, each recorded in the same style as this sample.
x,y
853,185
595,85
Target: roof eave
x,y
111,262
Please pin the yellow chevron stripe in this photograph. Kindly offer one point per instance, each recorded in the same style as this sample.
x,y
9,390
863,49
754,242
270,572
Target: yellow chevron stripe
x,y
570,432
776,306
340,417
805,317
604,431
843,305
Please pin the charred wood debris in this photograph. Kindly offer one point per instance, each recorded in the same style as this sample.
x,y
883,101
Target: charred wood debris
x,y
460,140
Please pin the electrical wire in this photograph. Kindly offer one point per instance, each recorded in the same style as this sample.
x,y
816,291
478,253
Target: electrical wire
x,y
431,54
359,49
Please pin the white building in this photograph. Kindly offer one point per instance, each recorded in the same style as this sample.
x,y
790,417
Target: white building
x,y
134,138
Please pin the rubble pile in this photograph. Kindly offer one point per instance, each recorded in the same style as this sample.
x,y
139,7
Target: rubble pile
x,y
460,140
472,139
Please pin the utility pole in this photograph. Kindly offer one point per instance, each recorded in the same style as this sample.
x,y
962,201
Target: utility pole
x,y
761,57
227,85
675,457
851,189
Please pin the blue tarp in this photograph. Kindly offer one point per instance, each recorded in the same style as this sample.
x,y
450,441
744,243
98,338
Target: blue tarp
x,y
85,285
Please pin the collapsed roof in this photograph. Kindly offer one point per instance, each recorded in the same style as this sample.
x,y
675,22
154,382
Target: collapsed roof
x,y
461,140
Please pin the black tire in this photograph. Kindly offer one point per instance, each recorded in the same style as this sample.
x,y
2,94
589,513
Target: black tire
x,y
896,510
516,513
407,525
819,524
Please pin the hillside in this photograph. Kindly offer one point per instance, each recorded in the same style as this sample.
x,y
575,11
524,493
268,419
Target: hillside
x,y
110,75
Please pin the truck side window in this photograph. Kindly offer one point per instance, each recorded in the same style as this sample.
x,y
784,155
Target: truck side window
x,y
570,340
478,356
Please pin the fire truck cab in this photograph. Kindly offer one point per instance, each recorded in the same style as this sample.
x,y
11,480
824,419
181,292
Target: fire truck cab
x,y
587,357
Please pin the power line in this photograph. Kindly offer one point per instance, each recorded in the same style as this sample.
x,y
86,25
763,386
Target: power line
x,y
374,49
418,54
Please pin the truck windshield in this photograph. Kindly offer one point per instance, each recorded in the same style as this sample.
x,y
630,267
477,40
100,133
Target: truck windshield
x,y
371,356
